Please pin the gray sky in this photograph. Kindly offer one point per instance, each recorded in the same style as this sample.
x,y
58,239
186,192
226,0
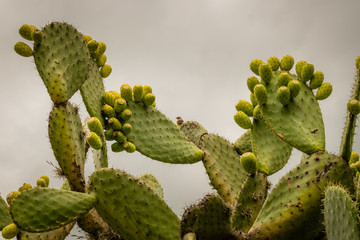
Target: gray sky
x,y
194,54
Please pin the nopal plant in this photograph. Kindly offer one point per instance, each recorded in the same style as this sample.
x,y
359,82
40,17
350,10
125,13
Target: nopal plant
x,y
318,199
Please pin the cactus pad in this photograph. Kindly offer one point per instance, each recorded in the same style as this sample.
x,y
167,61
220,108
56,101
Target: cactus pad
x,y
57,234
193,131
243,143
5,218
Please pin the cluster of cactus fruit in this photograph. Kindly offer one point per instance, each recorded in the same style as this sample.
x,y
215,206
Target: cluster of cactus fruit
x,y
318,199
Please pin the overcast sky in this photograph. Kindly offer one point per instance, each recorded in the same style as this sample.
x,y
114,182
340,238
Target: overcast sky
x,y
194,54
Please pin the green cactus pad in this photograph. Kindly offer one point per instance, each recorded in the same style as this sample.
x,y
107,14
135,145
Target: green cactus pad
x,y
271,151
62,60
157,137
67,141
249,202
222,164
341,216
295,202
299,122
193,131
44,209
100,156
57,234
131,208
5,217
209,219
152,183
243,143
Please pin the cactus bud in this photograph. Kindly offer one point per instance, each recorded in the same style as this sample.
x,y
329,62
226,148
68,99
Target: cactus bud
x,y
248,162
189,236
138,92
115,124
251,82
41,182
94,125
101,48
116,94
149,99
108,111
87,38
120,137
242,120
254,65
353,106
257,112
27,31
126,92
10,231
283,95
354,157
253,99
101,61
24,187
286,63
265,72
284,79
129,147
109,134
245,106
23,49
11,196
324,91
316,80
109,99
94,140
92,46
126,114
307,72
47,180
357,62
105,71
120,105
117,147
274,63
294,87
126,128
260,94
299,66
38,36
147,89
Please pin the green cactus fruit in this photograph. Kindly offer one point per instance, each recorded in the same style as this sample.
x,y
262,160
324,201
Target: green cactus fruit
x,y
324,91
120,137
126,128
27,31
283,95
357,62
115,124
100,50
94,125
316,80
260,94
243,120
38,36
274,63
24,187
92,46
243,143
117,147
41,182
294,87
253,100
109,134
248,162
87,38
147,89
105,71
10,197
126,92
109,98
354,157
126,114
286,63
116,94
108,111
355,166
129,147
94,140
101,61
5,217
138,92
307,72
353,106
120,105
265,72
10,231
245,106
254,65
189,236
251,82
149,99
23,49
47,180
299,66
284,79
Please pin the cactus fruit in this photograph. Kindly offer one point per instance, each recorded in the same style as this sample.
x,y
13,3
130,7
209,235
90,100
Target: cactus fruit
x,y
101,48
38,36
10,197
324,91
294,87
117,147
23,49
101,61
257,112
126,114
316,80
126,92
149,99
126,128
245,106
129,147
105,71
41,182
353,106
27,31
138,93
47,180
248,162
94,125
307,72
243,120
274,63
299,66
92,45
115,124
254,65
251,82
283,95
260,94
108,111
24,187
265,72
354,157
94,140
120,105
284,79
10,231
286,63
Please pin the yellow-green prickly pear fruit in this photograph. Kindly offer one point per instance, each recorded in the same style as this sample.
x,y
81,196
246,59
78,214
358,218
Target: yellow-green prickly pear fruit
x,y
260,94
27,31
101,48
92,46
254,65
243,120
117,147
108,111
149,99
115,124
47,180
353,106
129,147
105,71
147,89
108,98
251,82
265,72
101,61
316,80
120,105
87,38
283,95
189,236
299,65
25,187
357,62
41,182
307,72
324,91
286,63
126,114
126,128
10,231
126,92
283,79
11,196
120,137
248,162
274,63
38,36
94,125
245,106
109,134
116,94
354,157
257,112
23,49
253,99
138,92
294,87
94,140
